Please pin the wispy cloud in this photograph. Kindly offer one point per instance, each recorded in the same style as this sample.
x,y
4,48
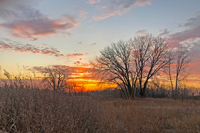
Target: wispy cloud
x,y
119,7
164,32
12,46
74,55
93,1
142,32
77,63
93,43
72,21
34,39
83,14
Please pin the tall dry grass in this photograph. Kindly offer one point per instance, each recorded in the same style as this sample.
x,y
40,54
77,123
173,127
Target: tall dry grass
x,y
45,111
28,109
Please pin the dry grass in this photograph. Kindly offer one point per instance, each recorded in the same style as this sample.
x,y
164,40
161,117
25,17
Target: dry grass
x,y
36,111
151,115
44,111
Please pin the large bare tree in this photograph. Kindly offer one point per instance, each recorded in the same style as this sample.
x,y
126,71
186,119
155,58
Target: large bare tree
x,y
114,65
133,62
150,55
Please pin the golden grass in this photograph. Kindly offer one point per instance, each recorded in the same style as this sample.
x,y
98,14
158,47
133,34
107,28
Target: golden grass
x,y
151,115
45,111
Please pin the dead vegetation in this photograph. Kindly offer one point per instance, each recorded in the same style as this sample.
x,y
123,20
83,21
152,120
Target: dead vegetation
x,y
46,111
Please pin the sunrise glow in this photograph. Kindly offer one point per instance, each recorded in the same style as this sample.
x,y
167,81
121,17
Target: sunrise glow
x,y
69,34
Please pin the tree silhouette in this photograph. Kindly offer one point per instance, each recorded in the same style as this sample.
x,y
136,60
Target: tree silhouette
x,y
150,55
55,78
181,60
114,65
127,63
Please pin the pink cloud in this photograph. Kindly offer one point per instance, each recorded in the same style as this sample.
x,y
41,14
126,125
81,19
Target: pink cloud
x,y
32,28
28,48
142,32
191,33
68,34
80,43
119,7
73,21
74,55
45,44
93,1
107,14
34,39
93,43
30,23
83,14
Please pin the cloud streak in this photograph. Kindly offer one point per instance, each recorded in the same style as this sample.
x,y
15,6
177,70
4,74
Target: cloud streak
x,y
119,7
74,55
11,46
93,1
142,32
93,43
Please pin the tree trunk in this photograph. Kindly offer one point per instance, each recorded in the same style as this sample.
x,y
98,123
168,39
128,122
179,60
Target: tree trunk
x,y
144,89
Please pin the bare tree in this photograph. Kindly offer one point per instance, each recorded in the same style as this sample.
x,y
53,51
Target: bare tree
x,y
127,63
114,65
55,78
179,68
168,71
150,55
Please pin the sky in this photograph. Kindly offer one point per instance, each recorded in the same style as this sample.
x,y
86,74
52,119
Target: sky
x,y
38,33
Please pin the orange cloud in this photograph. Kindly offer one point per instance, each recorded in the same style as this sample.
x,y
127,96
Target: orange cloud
x,y
77,62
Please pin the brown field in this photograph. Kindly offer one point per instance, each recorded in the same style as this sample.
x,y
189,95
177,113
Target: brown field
x,y
45,111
